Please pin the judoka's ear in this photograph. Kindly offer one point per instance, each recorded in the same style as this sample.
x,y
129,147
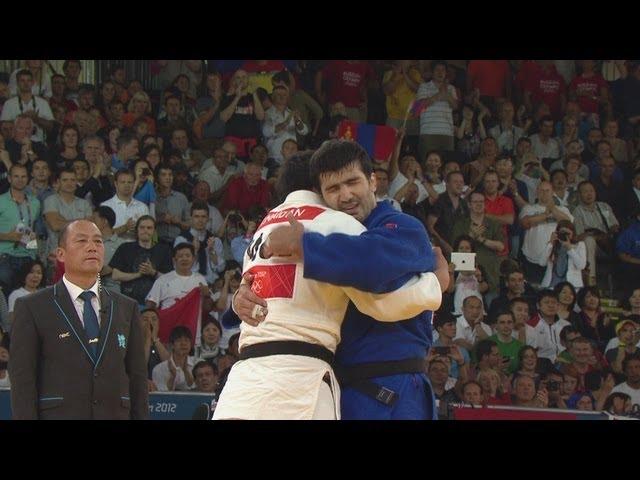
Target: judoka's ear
x,y
373,181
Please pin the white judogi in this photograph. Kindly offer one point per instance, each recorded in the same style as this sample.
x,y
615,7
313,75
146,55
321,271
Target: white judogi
x,y
300,309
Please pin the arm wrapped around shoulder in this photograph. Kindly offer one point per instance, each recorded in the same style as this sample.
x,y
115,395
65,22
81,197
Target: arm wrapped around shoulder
x,y
419,294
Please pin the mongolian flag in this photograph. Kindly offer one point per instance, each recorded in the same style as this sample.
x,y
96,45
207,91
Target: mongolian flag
x,y
417,107
185,312
377,140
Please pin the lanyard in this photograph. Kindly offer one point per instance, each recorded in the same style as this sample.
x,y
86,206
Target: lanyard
x,y
18,207
33,99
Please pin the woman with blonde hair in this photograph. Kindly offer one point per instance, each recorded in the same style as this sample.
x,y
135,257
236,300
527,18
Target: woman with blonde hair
x,y
569,133
139,107
492,387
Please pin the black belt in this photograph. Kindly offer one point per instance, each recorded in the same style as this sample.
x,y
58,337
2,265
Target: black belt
x,y
357,376
304,349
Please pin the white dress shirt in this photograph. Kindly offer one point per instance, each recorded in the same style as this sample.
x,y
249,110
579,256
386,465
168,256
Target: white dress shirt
x,y
75,291
134,209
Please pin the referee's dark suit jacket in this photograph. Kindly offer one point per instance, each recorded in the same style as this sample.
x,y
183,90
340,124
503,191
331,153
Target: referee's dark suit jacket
x,y
53,375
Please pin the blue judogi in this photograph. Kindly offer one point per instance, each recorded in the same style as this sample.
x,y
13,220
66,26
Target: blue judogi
x,y
397,247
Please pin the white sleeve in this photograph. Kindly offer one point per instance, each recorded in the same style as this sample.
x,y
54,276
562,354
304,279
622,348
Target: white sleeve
x,y
217,246
154,293
45,110
566,211
12,301
578,256
417,295
159,378
546,252
13,83
268,127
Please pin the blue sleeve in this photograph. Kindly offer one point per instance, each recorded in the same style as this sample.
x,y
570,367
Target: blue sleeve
x,y
624,244
380,260
229,319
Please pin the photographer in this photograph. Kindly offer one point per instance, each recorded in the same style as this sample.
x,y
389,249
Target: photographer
x,y
566,257
552,382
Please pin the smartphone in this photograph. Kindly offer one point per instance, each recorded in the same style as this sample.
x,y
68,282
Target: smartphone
x,y
441,350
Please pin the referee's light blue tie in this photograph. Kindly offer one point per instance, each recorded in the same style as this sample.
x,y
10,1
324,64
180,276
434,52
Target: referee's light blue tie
x,y
90,320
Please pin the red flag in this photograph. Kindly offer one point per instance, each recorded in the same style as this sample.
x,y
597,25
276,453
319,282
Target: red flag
x,y
185,312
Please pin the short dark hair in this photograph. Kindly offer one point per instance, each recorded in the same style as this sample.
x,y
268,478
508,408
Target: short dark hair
x,y
517,300
144,218
123,171
169,97
180,332
17,165
469,383
524,140
557,171
547,293
205,364
435,63
24,73
66,63
451,174
483,348
334,155
585,182
566,331
442,318
125,139
82,160
108,214
294,175
183,246
199,205
282,76
499,313
68,170
629,358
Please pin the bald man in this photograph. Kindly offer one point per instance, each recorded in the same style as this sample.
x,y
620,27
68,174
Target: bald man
x,y
76,348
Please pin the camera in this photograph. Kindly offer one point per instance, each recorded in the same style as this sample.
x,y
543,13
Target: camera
x,y
563,236
237,275
553,386
146,171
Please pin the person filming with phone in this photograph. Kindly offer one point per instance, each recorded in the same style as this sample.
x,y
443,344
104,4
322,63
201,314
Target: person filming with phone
x,y
445,325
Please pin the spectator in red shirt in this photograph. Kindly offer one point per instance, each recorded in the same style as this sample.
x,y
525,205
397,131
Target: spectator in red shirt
x,y
589,89
492,78
547,86
247,191
497,206
345,81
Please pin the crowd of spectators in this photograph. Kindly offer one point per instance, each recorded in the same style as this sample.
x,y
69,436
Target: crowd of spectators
x,y
533,165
